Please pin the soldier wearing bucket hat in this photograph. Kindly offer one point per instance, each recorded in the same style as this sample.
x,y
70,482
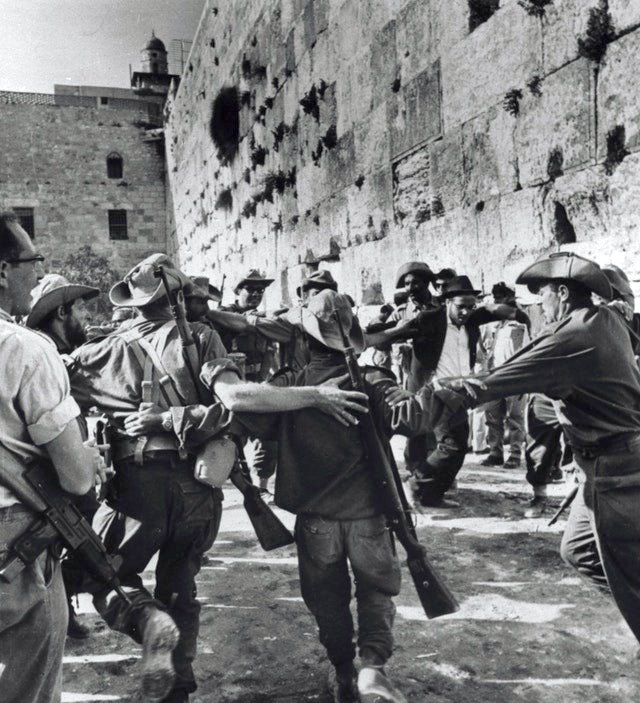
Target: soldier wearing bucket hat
x,y
132,372
197,295
57,309
586,365
324,479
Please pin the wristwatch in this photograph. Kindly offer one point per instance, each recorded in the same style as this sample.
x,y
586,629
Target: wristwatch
x,y
167,421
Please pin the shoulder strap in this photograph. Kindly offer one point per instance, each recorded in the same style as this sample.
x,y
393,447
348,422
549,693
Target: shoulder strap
x,y
153,360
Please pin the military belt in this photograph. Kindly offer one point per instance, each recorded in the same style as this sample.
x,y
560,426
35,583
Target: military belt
x,y
126,448
615,444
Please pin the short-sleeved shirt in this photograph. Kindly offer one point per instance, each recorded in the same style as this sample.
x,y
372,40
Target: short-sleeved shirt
x,y
286,330
35,404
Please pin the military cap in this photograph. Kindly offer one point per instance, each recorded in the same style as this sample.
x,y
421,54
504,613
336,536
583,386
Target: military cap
x,y
418,267
318,320
140,286
52,291
620,283
567,266
318,279
458,285
253,276
201,288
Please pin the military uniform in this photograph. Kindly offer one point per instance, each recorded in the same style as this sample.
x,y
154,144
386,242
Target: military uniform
x,y
587,366
154,503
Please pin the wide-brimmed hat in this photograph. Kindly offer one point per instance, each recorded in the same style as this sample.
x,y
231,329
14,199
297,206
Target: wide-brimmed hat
x,y
458,285
567,266
141,287
418,267
318,320
52,291
254,276
201,288
620,283
318,279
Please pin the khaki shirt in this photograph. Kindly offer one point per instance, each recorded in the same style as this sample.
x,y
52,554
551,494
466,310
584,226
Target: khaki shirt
x,y
585,363
35,404
260,352
107,373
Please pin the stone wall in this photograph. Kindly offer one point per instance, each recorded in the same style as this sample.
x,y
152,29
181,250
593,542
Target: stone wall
x,y
53,159
373,132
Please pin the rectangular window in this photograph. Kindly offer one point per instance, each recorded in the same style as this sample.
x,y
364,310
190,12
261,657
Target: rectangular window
x,y
104,100
25,215
118,224
480,11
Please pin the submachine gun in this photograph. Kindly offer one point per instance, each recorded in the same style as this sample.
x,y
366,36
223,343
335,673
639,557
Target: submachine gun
x,y
435,597
58,523
270,531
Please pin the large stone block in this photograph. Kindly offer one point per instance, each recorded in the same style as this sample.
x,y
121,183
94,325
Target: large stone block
x,y
414,113
414,39
412,193
478,71
625,14
618,97
372,142
383,63
446,175
489,156
555,129
565,21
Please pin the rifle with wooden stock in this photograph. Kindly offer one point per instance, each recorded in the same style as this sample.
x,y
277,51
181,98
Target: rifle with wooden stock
x,y
270,531
435,597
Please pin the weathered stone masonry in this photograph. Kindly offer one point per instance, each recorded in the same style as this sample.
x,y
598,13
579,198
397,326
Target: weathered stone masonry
x,y
374,131
53,159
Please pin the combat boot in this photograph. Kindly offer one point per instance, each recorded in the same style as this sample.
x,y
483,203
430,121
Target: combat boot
x,y
342,683
159,639
375,687
75,629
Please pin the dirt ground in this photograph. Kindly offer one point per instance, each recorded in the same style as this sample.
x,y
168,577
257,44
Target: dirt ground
x,y
528,629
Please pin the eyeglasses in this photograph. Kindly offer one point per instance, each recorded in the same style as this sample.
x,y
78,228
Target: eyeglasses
x,y
26,259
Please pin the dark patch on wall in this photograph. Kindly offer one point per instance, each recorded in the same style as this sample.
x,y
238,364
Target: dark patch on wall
x,y
616,148
224,125
359,182
310,105
480,11
555,163
224,201
511,101
535,8
562,228
599,34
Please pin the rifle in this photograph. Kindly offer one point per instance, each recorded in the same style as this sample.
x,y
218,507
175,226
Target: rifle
x,y
58,521
568,499
434,595
270,531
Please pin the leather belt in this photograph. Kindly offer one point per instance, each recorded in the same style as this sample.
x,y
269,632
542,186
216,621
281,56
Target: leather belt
x,y
615,444
126,448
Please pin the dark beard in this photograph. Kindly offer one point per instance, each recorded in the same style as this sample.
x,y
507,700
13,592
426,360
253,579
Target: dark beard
x,y
75,335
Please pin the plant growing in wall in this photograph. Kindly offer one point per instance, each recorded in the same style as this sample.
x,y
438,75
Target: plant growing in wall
x,y
511,101
310,104
600,32
616,148
534,84
249,209
535,8
258,156
224,125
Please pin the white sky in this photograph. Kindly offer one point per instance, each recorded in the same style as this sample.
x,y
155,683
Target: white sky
x,y
84,42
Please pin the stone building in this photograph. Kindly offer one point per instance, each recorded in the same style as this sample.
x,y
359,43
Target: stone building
x,y
85,166
357,134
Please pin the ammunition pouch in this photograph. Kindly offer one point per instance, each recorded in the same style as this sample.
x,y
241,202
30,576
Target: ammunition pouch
x,y
215,461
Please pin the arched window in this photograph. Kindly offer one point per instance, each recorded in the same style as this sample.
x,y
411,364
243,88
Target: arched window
x,y
114,165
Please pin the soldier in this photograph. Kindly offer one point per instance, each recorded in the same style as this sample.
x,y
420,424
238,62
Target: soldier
x,y
259,363
38,423
197,297
586,364
285,329
154,503
323,478
58,310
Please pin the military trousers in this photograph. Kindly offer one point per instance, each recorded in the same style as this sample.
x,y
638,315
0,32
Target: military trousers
x,y
542,451
602,538
509,412
326,548
159,508
33,621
